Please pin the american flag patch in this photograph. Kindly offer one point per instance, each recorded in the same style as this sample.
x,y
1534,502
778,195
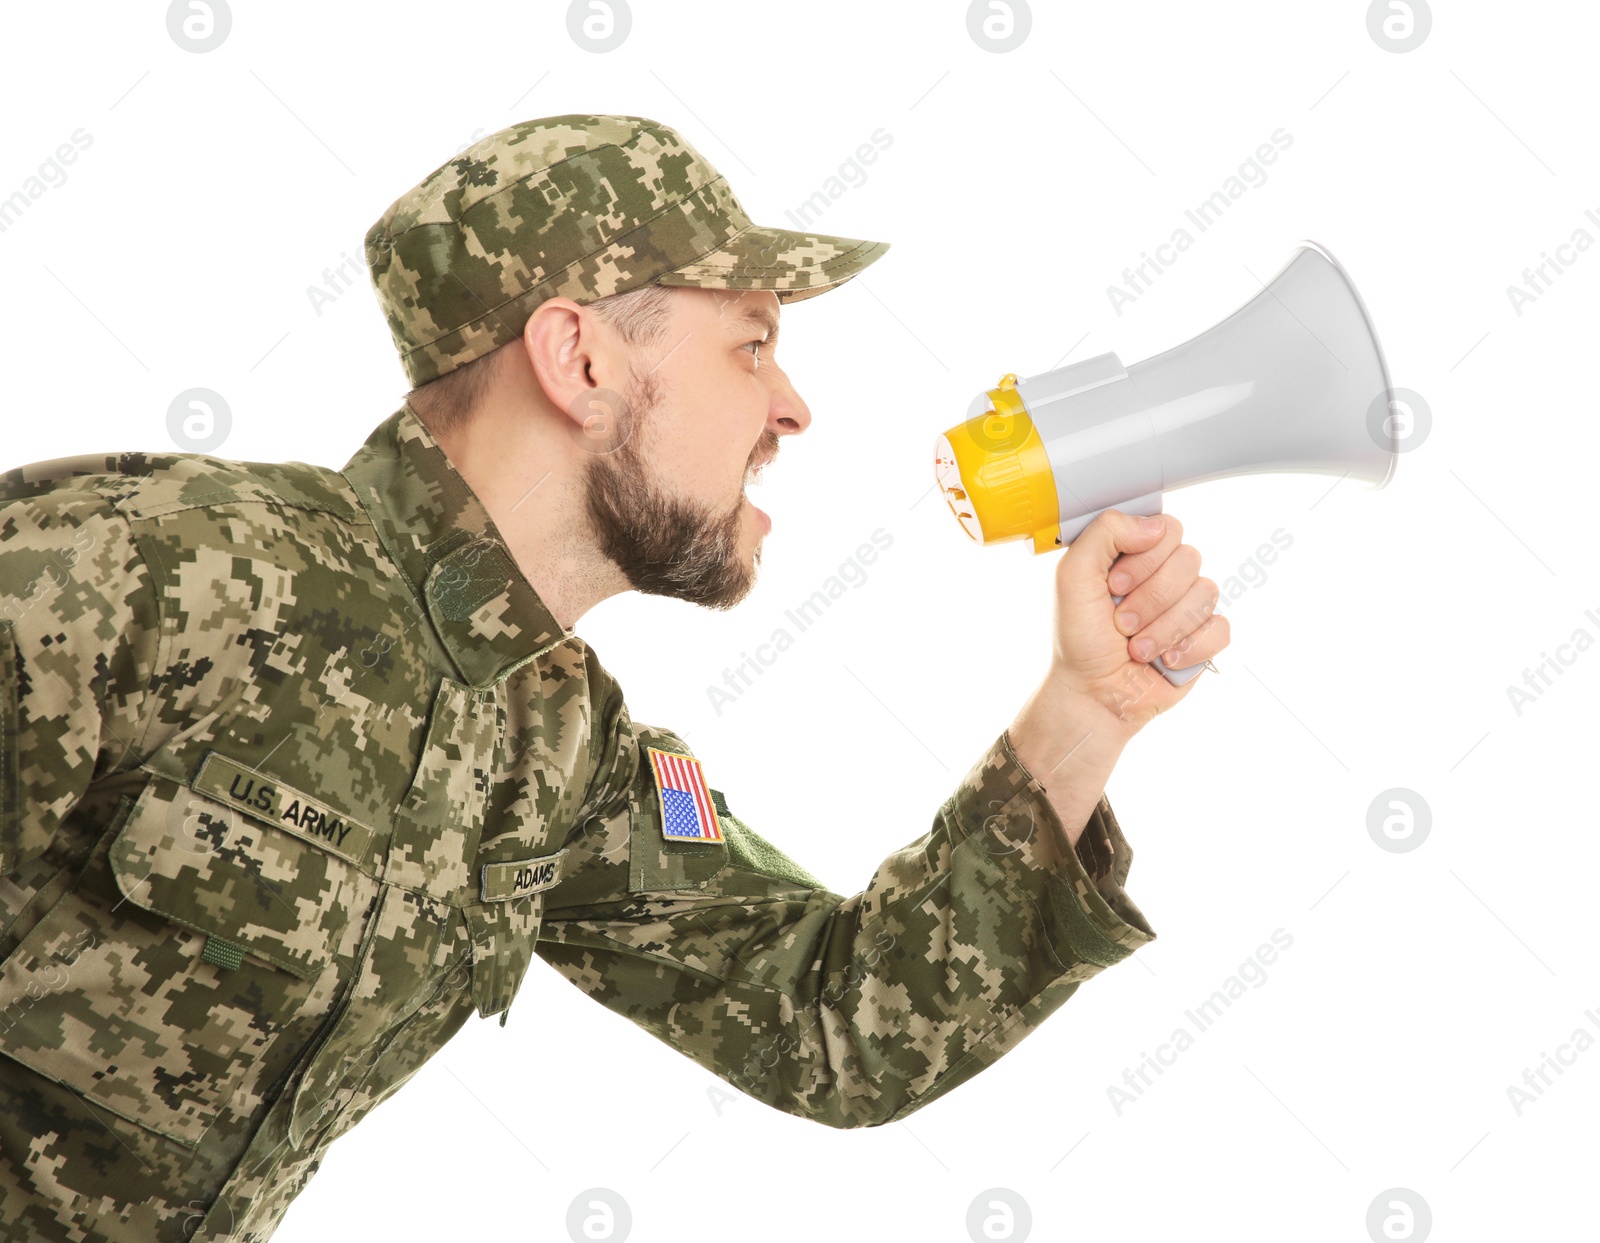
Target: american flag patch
x,y
686,810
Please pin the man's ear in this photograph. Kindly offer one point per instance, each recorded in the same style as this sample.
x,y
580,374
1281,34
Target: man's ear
x,y
573,356
560,341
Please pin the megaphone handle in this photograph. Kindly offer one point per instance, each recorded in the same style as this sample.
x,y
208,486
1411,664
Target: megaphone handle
x,y
1176,676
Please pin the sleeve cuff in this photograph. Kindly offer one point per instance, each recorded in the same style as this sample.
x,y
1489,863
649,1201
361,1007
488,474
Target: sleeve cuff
x,y
1092,920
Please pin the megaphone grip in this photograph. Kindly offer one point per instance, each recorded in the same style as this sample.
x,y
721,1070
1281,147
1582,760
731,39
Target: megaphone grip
x,y
1176,676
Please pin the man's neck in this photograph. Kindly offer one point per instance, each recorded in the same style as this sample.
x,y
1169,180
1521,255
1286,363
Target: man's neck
x,y
540,510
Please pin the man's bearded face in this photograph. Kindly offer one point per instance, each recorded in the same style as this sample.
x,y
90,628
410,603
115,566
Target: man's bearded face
x,y
665,544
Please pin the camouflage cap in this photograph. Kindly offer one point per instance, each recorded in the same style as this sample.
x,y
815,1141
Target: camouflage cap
x,y
579,207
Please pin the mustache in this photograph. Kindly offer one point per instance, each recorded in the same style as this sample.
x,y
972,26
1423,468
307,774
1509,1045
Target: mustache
x,y
766,449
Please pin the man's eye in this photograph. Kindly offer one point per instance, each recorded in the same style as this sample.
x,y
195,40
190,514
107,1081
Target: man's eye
x,y
757,354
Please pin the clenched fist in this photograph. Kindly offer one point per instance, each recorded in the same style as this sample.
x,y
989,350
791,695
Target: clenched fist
x,y
1103,649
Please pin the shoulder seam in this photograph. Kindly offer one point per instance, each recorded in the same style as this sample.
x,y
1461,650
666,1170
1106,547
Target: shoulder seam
x,y
209,500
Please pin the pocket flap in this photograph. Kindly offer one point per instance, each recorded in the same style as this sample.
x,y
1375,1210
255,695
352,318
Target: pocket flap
x,y
212,868
503,936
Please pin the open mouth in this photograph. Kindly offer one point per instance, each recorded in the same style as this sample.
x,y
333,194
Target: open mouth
x,y
752,474
752,479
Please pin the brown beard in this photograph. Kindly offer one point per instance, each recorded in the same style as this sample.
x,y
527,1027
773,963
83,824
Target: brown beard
x,y
666,545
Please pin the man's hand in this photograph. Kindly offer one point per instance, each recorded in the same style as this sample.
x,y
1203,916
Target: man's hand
x,y
1101,689
1104,650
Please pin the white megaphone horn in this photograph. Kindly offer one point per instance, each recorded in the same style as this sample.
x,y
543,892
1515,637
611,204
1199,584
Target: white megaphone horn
x,y
1294,380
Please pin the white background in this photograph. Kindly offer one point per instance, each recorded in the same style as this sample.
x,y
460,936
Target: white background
x,y
1376,652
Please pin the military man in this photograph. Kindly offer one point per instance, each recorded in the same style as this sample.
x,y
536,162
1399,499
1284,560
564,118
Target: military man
x,y
301,768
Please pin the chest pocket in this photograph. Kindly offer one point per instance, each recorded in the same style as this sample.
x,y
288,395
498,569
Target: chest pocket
x,y
189,965
437,836
505,925
440,819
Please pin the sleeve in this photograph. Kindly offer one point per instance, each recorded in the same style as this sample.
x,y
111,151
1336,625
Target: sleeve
x,y
79,628
851,1011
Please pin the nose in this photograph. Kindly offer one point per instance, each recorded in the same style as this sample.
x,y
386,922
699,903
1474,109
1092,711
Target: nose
x,y
788,414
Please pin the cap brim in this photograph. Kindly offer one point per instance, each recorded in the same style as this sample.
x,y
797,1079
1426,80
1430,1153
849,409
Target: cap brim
x,y
795,266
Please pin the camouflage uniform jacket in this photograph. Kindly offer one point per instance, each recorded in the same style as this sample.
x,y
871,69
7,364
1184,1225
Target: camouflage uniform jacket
x,y
297,772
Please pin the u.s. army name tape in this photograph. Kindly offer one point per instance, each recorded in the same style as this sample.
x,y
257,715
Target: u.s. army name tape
x,y
267,799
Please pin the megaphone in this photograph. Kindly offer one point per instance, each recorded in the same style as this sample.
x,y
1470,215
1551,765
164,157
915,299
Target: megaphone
x,y
1294,380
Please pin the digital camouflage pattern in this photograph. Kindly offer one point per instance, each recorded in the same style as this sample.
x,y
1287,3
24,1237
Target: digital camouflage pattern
x,y
578,207
299,773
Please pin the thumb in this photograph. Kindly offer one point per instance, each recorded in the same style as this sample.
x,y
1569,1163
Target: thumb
x,y
1112,533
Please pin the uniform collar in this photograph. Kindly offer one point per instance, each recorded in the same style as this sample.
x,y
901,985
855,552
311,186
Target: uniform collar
x,y
485,612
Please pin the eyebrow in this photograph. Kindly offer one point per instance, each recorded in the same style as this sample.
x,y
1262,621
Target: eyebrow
x,y
759,317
